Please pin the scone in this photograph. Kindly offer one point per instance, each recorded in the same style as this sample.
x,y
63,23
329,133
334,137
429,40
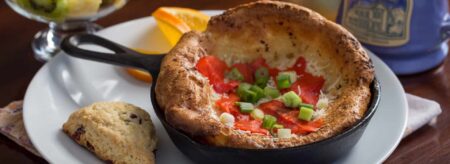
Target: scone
x,y
116,132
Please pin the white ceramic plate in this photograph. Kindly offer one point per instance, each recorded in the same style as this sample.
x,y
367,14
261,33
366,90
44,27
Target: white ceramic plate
x,y
65,84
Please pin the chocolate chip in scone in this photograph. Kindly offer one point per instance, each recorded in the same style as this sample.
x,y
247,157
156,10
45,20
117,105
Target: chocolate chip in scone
x,y
78,133
89,146
140,121
133,115
109,161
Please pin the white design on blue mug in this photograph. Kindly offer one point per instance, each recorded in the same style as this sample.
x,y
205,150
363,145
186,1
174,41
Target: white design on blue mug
x,y
409,35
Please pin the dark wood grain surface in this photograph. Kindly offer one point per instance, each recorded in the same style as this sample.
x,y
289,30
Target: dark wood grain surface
x,y
430,144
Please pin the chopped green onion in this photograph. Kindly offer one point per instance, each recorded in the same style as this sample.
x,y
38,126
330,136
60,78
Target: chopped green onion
x,y
249,96
234,74
271,92
307,105
269,121
257,114
289,75
278,126
262,82
285,79
249,93
243,87
283,84
305,113
259,92
227,119
283,76
284,133
245,107
292,75
262,72
291,99
262,77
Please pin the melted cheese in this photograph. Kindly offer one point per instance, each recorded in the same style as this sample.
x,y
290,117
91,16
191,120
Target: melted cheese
x,y
321,105
263,100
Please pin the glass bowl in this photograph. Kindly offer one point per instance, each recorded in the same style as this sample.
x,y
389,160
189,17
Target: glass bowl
x,y
64,17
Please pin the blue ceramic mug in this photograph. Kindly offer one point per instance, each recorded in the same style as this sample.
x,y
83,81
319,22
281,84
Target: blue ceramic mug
x,y
409,35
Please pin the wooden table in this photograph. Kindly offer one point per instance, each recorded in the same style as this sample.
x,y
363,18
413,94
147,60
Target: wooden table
x,y
17,68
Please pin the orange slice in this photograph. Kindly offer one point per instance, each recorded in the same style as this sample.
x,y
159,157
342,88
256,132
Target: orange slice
x,y
139,74
174,21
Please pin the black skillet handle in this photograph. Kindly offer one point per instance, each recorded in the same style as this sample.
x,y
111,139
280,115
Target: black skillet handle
x,y
122,56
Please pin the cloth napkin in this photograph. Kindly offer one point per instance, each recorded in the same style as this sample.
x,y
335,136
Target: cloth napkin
x,y
421,112
11,125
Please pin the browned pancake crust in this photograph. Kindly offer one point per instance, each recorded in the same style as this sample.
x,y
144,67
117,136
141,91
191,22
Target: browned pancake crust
x,y
275,30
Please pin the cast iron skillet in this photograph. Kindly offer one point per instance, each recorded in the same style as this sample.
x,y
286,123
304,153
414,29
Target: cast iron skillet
x,y
324,151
